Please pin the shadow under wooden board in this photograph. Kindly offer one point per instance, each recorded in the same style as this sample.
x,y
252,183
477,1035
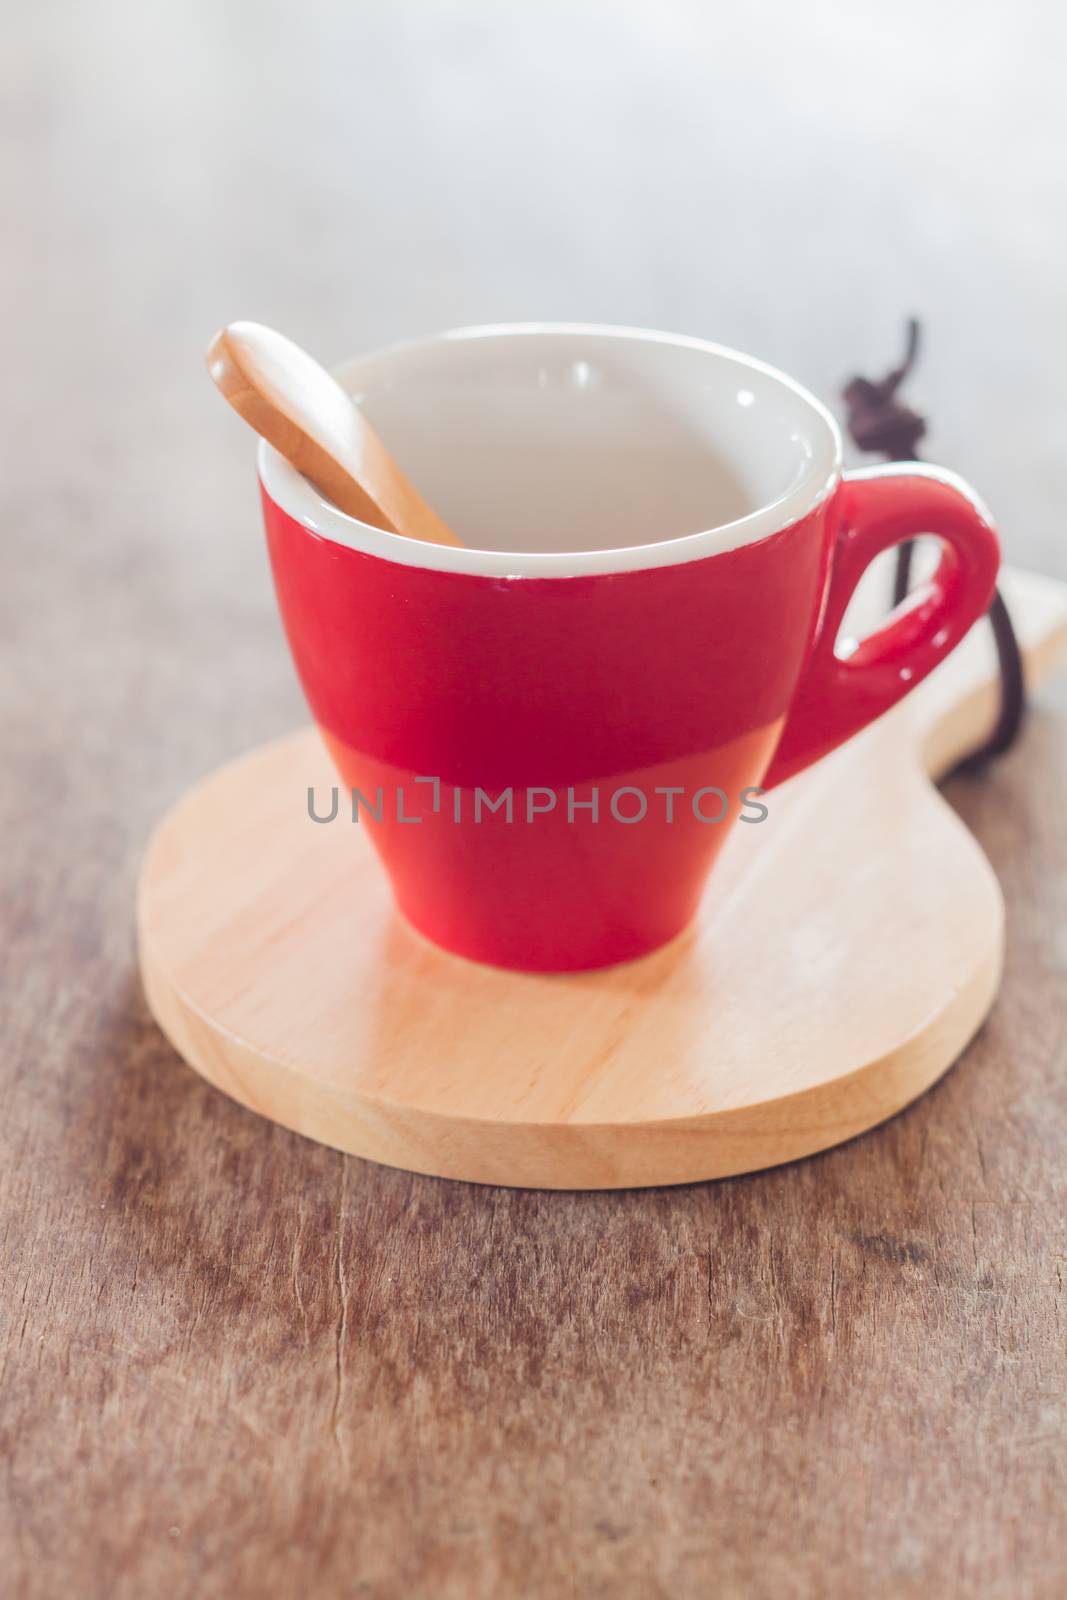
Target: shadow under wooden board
x,y
847,949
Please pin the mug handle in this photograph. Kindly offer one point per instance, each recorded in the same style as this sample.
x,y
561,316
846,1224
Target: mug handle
x,y
880,507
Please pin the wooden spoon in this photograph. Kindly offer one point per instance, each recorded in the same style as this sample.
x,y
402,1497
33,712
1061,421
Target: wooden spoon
x,y
309,419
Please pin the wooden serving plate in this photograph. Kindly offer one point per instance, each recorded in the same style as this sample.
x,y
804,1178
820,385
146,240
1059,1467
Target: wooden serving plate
x,y
847,950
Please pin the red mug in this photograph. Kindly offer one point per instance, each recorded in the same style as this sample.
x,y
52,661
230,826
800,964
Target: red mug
x,y
549,732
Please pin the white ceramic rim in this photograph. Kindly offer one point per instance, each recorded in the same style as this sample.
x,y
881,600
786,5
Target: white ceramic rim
x,y
295,495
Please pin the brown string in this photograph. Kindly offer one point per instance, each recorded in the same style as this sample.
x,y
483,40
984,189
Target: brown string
x,y
879,421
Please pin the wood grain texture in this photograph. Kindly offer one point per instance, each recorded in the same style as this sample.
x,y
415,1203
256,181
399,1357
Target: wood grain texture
x,y
841,959
237,1364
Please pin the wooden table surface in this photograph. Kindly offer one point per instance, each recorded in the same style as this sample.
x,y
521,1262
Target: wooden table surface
x,y
238,1364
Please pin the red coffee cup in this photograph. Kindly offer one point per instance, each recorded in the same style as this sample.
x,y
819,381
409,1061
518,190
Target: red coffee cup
x,y
548,733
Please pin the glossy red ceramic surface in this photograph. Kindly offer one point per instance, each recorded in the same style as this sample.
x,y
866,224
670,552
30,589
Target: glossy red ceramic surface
x,y
654,687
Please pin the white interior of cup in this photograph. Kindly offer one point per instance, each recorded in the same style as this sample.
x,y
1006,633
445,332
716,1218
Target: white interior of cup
x,y
556,450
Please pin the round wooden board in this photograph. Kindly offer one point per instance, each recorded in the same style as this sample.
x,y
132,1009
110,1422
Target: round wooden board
x,y
846,951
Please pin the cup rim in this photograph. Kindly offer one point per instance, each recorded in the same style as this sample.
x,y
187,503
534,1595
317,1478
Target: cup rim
x,y
294,495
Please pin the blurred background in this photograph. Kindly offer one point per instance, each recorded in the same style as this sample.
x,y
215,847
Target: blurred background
x,y
790,179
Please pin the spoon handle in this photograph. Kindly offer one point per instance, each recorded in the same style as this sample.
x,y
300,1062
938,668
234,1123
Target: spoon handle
x,y
286,396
